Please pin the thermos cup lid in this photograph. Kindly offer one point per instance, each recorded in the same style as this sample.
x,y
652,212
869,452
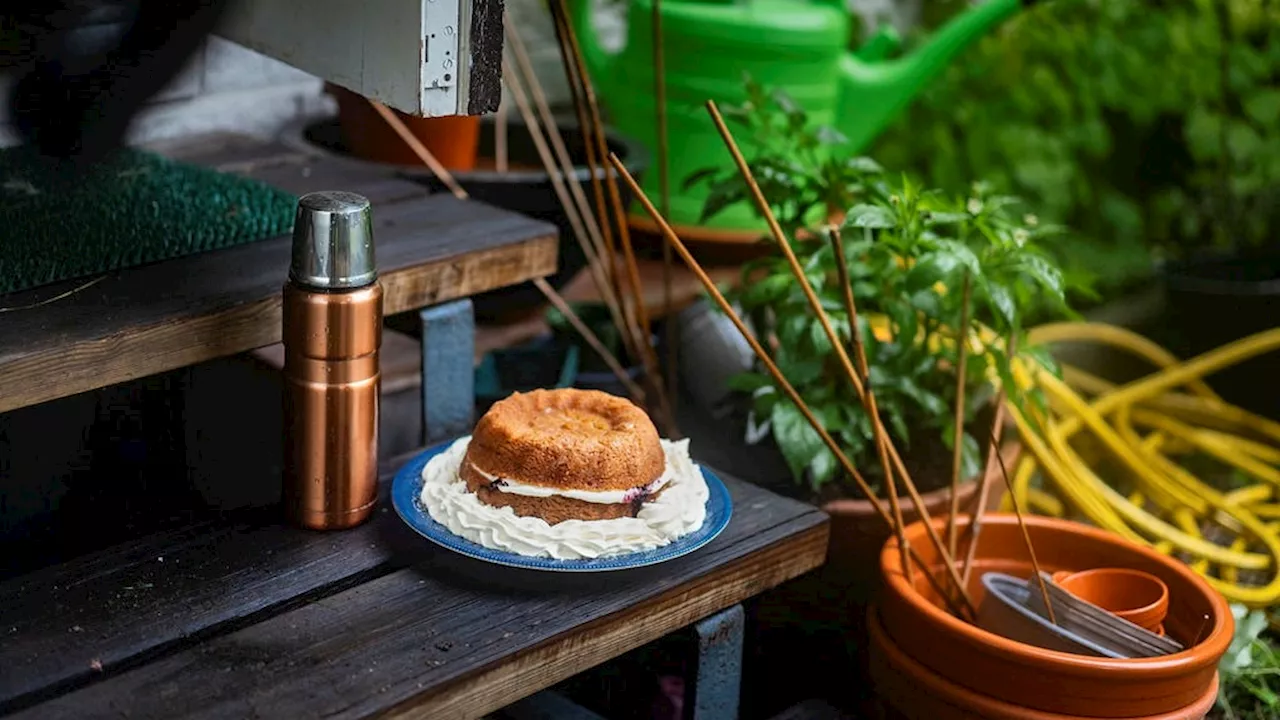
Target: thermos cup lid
x,y
333,242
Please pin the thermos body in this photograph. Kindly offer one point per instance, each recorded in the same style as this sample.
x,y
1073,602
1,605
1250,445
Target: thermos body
x,y
332,331
332,386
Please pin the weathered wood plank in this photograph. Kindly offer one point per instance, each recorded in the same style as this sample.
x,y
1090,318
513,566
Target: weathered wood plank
x,y
131,601
445,637
157,317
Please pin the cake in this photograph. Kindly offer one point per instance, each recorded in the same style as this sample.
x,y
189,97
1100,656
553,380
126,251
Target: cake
x,y
566,474
565,455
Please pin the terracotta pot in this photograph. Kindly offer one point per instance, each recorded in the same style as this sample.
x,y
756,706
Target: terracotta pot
x,y
908,689
1141,598
453,140
1047,680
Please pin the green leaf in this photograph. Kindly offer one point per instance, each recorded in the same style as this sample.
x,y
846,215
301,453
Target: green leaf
x,y
1263,106
1002,301
930,269
797,440
946,218
749,382
864,165
767,291
699,176
823,467
827,135
869,216
799,371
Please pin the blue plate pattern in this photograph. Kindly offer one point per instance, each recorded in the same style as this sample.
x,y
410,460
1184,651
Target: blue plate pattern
x,y
406,489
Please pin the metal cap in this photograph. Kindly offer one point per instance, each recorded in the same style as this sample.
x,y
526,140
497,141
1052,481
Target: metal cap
x,y
333,242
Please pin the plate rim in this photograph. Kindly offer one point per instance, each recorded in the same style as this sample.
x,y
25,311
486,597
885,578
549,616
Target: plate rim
x,y
410,474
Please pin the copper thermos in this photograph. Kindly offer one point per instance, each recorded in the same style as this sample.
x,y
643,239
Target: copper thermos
x,y
332,333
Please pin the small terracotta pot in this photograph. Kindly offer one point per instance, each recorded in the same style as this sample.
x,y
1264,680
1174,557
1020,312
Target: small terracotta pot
x,y
908,689
1047,680
1139,597
453,140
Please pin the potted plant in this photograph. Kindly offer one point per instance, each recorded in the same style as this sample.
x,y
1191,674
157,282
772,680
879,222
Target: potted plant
x,y
909,254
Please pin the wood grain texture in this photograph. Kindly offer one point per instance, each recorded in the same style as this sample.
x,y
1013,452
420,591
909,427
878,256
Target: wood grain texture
x,y
131,601
447,636
166,315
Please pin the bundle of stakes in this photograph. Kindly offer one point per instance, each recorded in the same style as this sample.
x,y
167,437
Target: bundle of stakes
x,y
595,223
949,579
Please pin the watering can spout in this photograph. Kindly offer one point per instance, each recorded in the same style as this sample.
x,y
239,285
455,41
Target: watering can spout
x,y
874,91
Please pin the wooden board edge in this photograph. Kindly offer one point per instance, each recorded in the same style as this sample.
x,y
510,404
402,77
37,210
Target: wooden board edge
x,y
172,344
566,655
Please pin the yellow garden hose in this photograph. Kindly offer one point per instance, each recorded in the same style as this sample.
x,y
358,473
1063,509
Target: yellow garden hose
x,y
1144,430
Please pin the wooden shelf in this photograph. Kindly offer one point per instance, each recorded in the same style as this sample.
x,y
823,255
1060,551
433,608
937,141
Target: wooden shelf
x,y
167,315
244,617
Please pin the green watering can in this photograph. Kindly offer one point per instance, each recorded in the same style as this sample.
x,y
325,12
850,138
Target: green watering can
x,y
798,46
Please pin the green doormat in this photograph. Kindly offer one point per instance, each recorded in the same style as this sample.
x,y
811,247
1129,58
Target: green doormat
x,y
57,223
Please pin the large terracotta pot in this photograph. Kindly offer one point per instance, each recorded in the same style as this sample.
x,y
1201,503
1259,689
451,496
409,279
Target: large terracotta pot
x,y
909,690
453,140
1045,680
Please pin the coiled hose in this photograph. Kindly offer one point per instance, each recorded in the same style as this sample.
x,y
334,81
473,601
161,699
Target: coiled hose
x,y
1147,436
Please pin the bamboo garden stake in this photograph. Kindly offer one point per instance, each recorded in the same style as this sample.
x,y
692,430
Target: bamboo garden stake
x,y
869,399
957,450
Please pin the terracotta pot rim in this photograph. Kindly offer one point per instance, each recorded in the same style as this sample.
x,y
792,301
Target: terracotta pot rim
x,y
1190,660
1154,606
862,506
934,681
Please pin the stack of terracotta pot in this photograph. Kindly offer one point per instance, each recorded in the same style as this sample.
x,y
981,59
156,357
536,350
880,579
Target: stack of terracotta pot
x,y
927,663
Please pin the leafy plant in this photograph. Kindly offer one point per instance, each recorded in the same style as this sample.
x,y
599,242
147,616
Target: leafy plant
x,y
1250,669
907,251
1148,126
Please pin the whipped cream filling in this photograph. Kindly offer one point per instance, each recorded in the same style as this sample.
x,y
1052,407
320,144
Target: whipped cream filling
x,y
603,497
678,511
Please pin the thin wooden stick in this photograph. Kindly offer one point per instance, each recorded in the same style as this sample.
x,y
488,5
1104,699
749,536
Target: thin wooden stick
x,y
419,149
596,128
869,399
816,305
561,22
984,486
569,170
1026,536
637,394
782,382
957,452
500,151
558,184
664,197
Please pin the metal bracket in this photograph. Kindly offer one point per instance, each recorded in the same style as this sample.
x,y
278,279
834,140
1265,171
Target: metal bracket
x,y
718,687
448,375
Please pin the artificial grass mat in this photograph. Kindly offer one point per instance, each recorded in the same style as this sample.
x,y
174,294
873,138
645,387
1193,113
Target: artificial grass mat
x,y
60,221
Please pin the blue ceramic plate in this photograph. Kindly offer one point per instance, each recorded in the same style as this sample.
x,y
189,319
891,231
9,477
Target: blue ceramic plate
x,y
407,488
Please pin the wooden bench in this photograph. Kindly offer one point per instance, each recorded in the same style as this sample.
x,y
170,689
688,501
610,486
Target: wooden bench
x,y
245,617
